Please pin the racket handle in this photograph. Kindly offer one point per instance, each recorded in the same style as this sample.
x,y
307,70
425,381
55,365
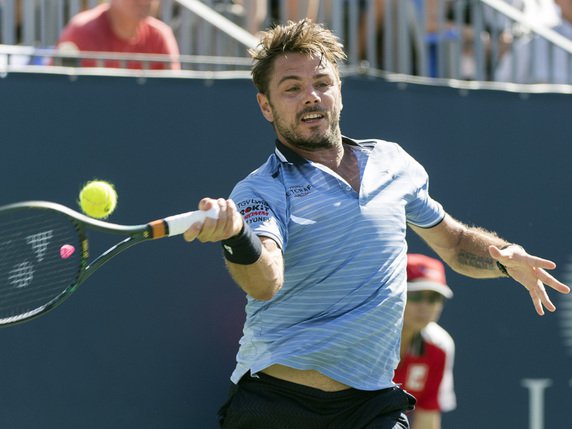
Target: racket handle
x,y
178,224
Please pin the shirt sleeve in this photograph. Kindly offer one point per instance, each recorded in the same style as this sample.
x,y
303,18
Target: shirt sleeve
x,y
439,393
71,33
421,209
261,202
170,45
447,397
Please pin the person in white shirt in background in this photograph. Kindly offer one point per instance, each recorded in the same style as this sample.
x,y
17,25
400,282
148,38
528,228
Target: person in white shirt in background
x,y
532,59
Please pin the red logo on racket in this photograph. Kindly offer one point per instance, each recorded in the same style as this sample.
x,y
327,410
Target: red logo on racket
x,y
66,251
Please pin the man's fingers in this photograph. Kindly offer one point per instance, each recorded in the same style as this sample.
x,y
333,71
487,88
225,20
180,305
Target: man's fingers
x,y
495,252
228,223
539,298
549,280
535,261
530,272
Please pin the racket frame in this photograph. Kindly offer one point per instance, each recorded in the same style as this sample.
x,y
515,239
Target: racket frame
x,y
134,234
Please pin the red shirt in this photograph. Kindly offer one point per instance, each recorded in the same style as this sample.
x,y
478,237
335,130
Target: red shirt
x,y
91,31
426,371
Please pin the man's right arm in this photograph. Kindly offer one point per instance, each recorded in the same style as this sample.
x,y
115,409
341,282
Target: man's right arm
x,y
264,278
260,278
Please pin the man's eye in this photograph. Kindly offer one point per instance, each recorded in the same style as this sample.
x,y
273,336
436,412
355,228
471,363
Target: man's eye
x,y
292,88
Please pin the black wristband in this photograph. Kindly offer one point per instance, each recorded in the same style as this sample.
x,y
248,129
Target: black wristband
x,y
500,266
244,248
503,270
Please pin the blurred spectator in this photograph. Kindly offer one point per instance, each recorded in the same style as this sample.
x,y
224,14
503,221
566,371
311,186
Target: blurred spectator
x,y
532,58
121,26
430,26
427,350
282,11
300,9
255,14
252,15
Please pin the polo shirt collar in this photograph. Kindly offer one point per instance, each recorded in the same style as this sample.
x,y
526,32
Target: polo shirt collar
x,y
285,154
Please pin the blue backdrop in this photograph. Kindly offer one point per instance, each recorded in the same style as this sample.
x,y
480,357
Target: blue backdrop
x,y
149,342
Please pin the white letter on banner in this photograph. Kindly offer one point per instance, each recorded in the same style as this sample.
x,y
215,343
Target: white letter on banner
x,y
536,389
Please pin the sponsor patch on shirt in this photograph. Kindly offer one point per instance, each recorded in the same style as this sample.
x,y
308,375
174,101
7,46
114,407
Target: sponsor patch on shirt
x,y
254,211
298,190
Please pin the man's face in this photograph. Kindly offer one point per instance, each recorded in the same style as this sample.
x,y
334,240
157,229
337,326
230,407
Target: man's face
x,y
303,102
136,9
422,308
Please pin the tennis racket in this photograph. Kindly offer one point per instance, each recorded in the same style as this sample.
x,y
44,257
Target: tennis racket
x,y
44,252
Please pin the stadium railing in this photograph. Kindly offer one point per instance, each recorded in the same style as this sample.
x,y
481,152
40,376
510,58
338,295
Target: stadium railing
x,y
465,39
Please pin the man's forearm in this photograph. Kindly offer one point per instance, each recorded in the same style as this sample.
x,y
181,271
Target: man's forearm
x,y
262,279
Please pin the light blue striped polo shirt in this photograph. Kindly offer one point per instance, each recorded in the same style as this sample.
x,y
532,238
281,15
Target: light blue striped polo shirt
x,y
340,309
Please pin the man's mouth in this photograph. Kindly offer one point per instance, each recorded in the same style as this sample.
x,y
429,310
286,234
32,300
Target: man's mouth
x,y
314,116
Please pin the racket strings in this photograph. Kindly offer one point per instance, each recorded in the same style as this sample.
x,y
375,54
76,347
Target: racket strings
x,y
40,259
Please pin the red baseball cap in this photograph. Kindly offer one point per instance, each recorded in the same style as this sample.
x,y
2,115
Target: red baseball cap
x,y
426,273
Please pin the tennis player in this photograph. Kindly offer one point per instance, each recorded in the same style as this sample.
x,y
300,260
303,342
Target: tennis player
x,y
427,350
316,238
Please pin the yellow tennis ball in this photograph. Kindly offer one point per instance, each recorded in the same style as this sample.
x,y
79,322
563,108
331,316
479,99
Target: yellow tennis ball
x,y
98,199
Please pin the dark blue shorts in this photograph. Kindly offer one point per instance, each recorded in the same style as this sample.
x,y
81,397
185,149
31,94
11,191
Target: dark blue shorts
x,y
264,402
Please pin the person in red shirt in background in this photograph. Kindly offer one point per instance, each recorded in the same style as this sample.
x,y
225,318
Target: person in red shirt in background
x,y
121,26
427,350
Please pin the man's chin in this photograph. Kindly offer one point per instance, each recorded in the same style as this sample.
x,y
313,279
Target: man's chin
x,y
318,141
313,145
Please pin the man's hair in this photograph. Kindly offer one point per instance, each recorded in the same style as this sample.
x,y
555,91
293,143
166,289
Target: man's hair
x,y
302,37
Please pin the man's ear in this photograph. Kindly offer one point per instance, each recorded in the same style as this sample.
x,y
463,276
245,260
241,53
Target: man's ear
x,y
265,107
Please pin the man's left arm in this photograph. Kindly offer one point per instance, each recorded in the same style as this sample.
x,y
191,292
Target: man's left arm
x,y
474,252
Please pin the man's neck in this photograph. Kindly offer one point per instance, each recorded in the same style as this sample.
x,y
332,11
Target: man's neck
x,y
331,158
122,26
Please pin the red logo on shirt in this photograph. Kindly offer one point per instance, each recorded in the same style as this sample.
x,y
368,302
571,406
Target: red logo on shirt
x,y
254,210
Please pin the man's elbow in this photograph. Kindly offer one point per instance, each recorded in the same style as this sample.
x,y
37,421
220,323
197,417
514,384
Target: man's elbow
x,y
267,291
263,295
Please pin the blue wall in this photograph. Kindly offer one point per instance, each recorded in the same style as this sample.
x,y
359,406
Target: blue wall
x,y
149,341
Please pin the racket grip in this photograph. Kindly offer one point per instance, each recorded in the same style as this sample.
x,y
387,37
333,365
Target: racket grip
x,y
178,224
